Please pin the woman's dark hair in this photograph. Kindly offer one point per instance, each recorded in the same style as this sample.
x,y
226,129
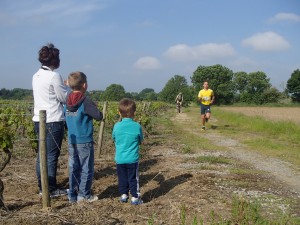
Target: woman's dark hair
x,y
49,56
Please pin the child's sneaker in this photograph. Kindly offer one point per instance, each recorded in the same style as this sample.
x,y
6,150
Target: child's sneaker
x,y
136,201
59,192
124,198
91,198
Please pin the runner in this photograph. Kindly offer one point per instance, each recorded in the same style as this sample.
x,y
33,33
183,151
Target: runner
x,y
179,101
206,98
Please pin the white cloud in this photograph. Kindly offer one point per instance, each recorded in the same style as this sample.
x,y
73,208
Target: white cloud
x,y
147,63
285,17
268,41
185,53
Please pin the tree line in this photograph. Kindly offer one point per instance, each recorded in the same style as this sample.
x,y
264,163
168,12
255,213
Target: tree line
x,y
229,88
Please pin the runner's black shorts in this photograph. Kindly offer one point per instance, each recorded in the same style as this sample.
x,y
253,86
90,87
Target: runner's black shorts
x,y
204,109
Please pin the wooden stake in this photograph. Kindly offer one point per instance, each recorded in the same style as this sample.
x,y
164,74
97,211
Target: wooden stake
x,y
100,138
43,159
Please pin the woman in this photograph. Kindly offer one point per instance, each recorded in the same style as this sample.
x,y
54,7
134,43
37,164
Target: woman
x,y
50,93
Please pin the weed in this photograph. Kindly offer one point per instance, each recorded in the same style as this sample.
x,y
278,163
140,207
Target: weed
x,y
151,220
182,215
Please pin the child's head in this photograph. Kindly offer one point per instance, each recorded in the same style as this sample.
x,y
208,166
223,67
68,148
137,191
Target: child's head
x,y
77,81
127,108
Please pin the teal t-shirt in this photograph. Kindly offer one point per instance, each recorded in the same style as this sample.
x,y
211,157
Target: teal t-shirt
x,y
127,135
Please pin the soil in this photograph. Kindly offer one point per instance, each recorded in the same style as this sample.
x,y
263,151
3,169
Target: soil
x,y
175,186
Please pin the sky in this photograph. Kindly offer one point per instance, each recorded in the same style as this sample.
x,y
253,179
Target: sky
x,y
144,43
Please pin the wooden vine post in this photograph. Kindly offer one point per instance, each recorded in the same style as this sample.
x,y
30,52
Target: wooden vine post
x,y
100,138
43,159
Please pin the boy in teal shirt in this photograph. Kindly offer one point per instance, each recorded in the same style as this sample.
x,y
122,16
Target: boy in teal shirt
x,y
127,136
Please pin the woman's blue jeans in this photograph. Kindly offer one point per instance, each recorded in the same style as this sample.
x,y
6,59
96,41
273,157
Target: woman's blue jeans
x,y
81,170
54,137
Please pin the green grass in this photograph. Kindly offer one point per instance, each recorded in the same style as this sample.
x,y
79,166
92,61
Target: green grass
x,y
276,139
242,171
242,212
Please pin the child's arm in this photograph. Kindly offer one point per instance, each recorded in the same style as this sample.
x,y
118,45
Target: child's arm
x,y
91,109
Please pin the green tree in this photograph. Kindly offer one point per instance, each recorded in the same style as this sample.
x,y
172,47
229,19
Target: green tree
x,y
240,80
220,81
175,85
148,94
16,94
114,92
129,95
271,95
94,95
257,84
293,86
132,95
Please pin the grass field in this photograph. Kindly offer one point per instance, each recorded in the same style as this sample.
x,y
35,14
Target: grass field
x,y
291,114
266,133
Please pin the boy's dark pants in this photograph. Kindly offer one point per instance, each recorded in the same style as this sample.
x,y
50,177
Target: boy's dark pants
x,y
128,178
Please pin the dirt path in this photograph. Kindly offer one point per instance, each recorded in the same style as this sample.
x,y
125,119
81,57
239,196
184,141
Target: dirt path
x,y
278,169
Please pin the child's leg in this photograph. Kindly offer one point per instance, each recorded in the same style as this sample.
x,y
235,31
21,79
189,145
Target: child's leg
x,y
86,156
123,178
133,179
74,173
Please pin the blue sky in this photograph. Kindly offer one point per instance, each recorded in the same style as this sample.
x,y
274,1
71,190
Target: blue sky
x,y
143,43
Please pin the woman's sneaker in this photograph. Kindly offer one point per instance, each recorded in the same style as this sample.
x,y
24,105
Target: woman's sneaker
x,y
124,198
136,201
